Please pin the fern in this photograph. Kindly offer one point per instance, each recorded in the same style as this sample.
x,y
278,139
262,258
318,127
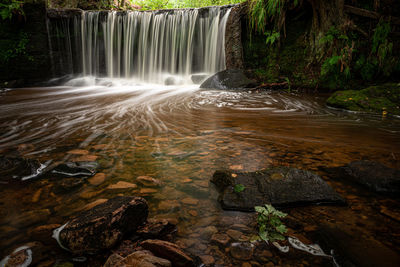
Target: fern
x,y
272,37
270,226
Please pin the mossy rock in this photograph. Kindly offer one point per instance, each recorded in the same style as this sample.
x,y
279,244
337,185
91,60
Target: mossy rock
x,y
377,99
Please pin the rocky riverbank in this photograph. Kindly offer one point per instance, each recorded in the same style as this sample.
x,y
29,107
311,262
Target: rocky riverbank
x,y
117,232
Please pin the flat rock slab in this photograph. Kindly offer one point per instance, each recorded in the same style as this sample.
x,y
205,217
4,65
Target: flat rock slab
x,y
104,225
279,186
373,175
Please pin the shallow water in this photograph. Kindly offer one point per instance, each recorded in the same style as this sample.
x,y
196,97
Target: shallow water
x,y
181,135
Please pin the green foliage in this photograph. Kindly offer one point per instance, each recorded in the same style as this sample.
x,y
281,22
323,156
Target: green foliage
x,y
16,49
366,68
380,36
272,37
238,188
167,4
336,68
287,80
270,226
258,15
10,7
260,11
381,46
380,60
153,5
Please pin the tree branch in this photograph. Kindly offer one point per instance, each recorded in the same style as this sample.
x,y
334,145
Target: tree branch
x,y
369,14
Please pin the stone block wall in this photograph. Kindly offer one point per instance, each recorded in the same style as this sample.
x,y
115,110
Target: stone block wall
x,y
233,38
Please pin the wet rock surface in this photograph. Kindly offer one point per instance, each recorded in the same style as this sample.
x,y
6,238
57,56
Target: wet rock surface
x,y
168,251
279,186
373,175
228,79
74,169
156,229
68,185
26,255
149,181
17,168
242,250
104,225
139,258
355,250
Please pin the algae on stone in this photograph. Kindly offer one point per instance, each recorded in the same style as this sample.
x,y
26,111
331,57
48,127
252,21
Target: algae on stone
x,y
382,98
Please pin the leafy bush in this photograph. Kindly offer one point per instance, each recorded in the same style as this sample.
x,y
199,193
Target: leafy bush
x,y
380,60
262,12
16,49
270,226
10,7
336,68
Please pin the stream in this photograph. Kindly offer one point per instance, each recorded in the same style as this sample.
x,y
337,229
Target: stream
x,y
180,135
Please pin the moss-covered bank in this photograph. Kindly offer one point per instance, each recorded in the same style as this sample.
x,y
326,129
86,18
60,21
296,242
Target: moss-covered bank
x,y
383,99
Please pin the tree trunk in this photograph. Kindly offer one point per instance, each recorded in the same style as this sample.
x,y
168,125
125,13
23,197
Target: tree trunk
x,y
326,13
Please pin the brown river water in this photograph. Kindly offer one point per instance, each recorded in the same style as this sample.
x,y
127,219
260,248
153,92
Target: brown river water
x,y
181,135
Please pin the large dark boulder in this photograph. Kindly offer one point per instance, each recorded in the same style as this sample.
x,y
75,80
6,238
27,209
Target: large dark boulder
x,y
228,79
103,226
279,186
373,175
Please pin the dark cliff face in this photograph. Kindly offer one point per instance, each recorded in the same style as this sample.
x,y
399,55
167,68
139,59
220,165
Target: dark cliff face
x,y
24,47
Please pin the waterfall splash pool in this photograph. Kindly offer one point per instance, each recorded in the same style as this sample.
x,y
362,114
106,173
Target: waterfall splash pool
x,y
180,135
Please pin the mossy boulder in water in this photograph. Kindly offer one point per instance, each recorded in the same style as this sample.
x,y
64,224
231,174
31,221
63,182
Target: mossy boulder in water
x,y
372,99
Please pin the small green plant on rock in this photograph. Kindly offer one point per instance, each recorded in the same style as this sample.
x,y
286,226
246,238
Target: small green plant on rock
x,y
238,188
270,226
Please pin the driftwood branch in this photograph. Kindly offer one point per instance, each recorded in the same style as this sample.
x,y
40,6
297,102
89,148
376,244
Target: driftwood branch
x,y
368,14
266,86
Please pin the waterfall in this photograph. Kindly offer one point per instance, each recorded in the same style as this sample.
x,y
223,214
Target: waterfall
x,y
148,46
